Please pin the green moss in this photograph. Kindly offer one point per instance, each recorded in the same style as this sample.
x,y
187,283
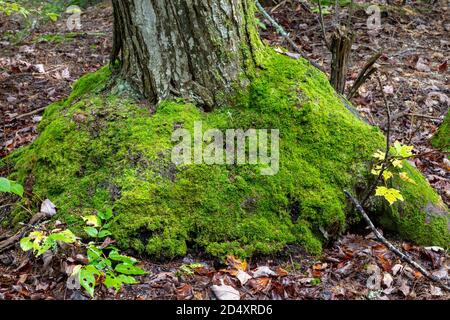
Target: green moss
x,y
422,217
441,139
99,151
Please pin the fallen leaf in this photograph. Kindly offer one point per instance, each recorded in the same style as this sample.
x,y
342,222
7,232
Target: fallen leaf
x,y
225,292
422,66
443,67
39,68
396,269
387,280
184,292
243,277
263,272
404,288
435,291
48,208
237,264
388,89
281,272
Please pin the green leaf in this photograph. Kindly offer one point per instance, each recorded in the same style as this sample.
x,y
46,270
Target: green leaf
x,y
92,221
402,150
48,243
115,256
16,188
5,185
64,236
129,269
94,253
111,281
105,216
91,231
26,244
53,16
104,233
87,278
102,263
127,279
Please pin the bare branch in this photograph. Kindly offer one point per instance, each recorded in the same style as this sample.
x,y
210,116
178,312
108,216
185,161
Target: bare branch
x,y
391,247
322,26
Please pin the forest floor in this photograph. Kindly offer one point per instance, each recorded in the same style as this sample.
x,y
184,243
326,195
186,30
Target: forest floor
x,y
39,67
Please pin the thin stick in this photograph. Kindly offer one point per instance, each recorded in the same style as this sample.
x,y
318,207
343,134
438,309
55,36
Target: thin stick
x,y
29,113
384,165
364,74
391,247
419,115
322,26
285,35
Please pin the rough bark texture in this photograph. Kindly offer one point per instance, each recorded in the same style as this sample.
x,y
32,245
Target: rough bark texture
x,y
195,49
341,46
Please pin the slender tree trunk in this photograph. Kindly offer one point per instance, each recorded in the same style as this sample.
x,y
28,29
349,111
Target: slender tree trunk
x,y
196,49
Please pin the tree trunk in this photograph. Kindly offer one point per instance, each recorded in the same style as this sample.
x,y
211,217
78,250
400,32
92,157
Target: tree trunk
x,y
195,49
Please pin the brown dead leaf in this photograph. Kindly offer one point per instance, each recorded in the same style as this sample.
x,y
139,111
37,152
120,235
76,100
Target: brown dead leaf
x,y
185,292
237,264
281,272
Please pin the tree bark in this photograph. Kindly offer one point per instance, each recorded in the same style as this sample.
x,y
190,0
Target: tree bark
x,y
195,49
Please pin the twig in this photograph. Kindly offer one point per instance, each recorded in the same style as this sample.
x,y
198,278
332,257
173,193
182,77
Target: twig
x,y
391,247
285,35
419,115
322,26
29,113
384,165
364,74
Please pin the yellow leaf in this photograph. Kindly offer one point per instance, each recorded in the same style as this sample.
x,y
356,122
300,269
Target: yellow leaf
x,y
397,163
376,171
91,221
380,155
387,175
390,194
404,176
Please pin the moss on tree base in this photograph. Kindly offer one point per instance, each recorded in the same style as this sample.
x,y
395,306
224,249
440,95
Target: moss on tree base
x,y
97,151
441,139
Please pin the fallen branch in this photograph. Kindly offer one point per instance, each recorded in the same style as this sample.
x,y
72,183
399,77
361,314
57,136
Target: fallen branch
x,y
391,247
364,74
285,35
29,113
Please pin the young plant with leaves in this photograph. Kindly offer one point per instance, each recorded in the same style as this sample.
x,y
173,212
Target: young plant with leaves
x,y
389,167
104,265
11,7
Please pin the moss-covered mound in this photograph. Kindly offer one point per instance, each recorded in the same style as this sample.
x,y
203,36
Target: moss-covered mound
x,y
441,139
97,151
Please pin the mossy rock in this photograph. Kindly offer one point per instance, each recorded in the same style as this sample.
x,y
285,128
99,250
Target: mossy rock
x,y
98,150
441,139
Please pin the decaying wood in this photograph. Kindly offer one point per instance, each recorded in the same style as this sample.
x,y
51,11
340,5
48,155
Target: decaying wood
x,y
341,46
391,247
